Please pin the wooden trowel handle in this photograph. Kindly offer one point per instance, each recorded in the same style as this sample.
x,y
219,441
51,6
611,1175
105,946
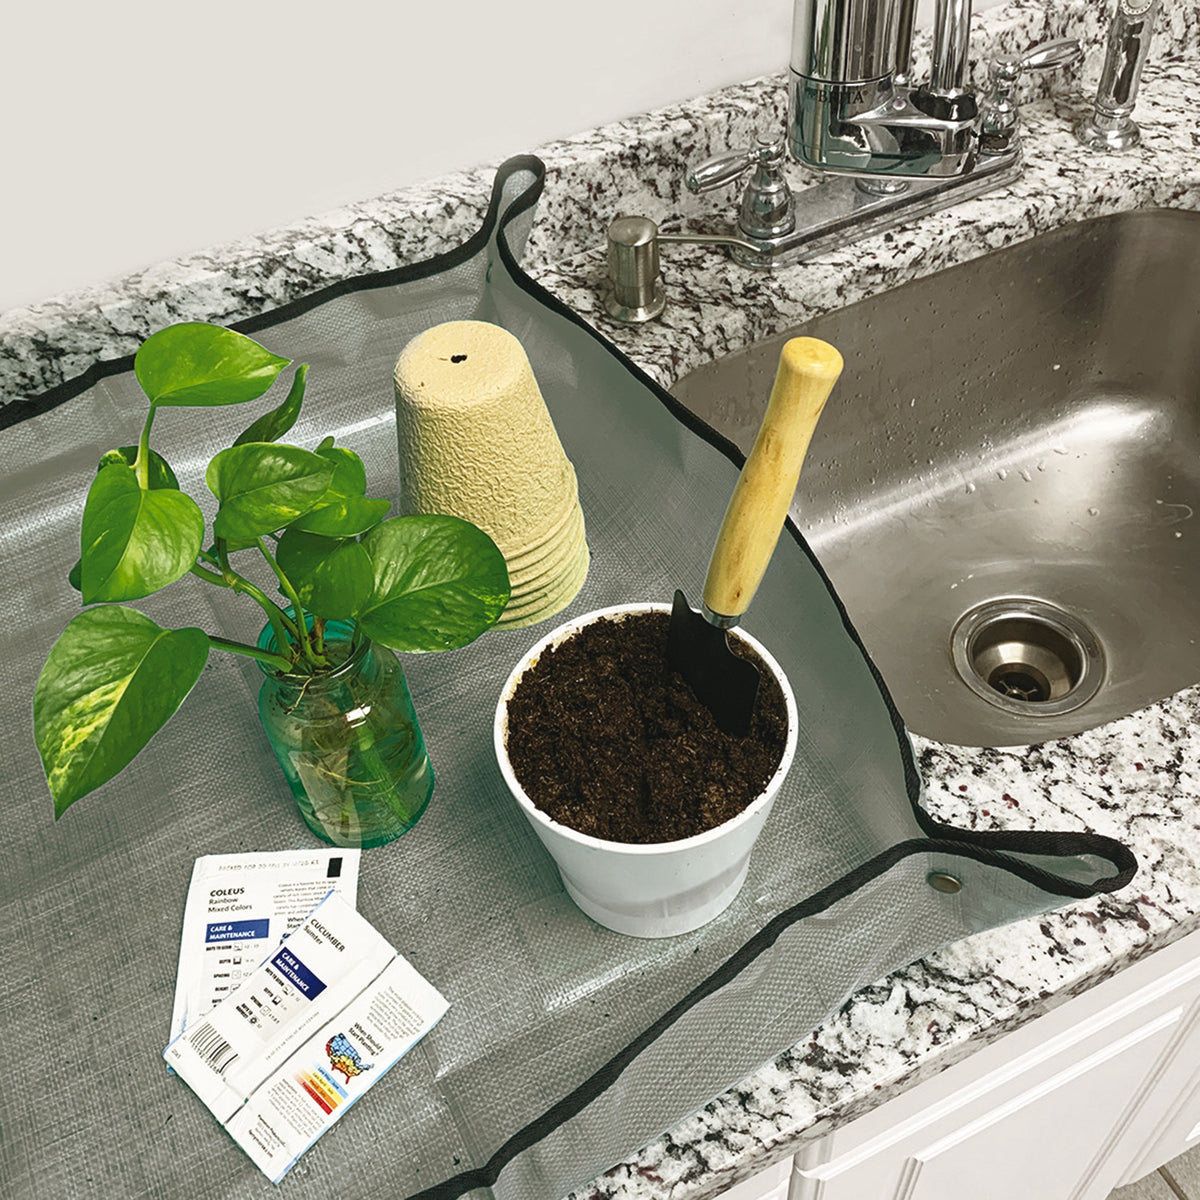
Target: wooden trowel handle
x,y
808,369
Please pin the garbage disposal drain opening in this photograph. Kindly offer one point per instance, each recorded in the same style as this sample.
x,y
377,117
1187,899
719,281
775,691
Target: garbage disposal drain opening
x,y
1027,656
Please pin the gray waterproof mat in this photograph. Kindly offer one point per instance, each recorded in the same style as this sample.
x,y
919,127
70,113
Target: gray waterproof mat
x,y
566,1046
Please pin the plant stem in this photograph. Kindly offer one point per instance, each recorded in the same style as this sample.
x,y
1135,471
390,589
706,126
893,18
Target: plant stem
x,y
272,660
285,585
286,633
142,464
209,576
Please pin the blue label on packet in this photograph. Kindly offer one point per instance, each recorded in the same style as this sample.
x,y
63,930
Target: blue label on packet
x,y
294,971
236,931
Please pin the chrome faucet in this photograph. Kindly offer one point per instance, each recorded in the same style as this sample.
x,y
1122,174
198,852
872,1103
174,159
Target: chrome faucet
x,y
886,150
1110,126
852,108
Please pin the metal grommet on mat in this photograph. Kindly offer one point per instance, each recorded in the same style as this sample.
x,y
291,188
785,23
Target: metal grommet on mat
x,y
941,881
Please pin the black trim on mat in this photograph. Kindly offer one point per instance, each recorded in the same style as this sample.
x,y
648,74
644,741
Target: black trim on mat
x,y
985,847
579,1098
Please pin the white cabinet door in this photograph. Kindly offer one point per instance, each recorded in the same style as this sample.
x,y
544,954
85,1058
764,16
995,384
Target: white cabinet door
x,y
1182,1132
771,1184
1040,1143
1065,1108
1036,1144
1167,1123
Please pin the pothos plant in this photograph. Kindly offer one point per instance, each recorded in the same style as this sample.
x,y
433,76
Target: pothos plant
x,y
114,676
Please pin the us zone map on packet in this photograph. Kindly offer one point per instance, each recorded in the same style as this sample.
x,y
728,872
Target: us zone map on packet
x,y
239,908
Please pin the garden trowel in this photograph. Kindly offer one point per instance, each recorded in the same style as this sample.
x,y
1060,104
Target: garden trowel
x,y
697,646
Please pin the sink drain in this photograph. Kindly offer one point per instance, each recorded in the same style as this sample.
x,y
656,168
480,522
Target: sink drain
x,y
1027,657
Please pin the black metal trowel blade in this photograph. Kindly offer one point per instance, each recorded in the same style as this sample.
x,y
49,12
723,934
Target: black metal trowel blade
x,y
724,682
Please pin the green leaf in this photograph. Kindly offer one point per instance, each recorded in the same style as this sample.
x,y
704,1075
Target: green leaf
x,y
263,487
270,427
439,583
344,510
349,472
332,576
161,475
111,681
343,518
135,542
197,363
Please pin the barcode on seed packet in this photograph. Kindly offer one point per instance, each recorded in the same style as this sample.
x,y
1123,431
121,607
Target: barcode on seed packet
x,y
212,1048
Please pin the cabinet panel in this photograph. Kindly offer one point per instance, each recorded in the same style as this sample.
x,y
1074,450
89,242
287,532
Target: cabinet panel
x,y
1098,1092
1168,1124
1036,1144
771,1184
1039,1144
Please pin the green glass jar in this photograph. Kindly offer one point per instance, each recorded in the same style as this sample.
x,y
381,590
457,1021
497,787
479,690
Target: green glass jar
x,y
348,740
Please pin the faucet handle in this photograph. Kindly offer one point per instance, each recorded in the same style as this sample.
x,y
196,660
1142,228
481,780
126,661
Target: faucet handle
x,y
1061,52
999,117
728,168
719,170
766,209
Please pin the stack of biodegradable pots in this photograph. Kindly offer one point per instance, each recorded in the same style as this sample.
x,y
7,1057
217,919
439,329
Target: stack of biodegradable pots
x,y
476,441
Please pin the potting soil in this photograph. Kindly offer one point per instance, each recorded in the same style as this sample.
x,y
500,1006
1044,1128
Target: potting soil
x,y
607,738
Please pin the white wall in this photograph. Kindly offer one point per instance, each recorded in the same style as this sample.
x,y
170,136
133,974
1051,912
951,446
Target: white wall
x,y
138,130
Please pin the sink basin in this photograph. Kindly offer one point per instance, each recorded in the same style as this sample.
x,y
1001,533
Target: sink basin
x,y
1003,485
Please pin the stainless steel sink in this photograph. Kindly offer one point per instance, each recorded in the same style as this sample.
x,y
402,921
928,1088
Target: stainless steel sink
x,y
1024,427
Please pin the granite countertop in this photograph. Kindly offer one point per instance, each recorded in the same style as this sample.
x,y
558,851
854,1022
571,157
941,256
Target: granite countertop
x,y
1136,779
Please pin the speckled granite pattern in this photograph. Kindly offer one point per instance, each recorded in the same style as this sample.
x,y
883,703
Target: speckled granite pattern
x,y
1136,779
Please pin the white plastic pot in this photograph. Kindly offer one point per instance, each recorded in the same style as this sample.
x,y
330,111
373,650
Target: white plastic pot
x,y
665,888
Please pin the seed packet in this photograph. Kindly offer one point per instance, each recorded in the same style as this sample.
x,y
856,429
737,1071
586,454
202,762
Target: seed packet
x,y
239,907
293,1046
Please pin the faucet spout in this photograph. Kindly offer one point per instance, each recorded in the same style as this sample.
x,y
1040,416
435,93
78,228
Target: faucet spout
x,y
853,110
951,40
